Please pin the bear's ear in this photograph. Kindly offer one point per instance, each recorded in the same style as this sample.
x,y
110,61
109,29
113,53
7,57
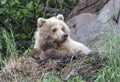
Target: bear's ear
x,y
40,22
60,17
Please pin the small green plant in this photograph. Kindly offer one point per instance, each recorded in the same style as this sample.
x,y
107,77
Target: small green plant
x,y
76,79
26,79
51,77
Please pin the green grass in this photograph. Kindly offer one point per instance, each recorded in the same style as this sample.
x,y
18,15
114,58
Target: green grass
x,y
111,72
9,39
11,50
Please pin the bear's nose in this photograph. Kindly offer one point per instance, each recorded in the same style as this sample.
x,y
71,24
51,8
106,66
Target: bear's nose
x,y
64,37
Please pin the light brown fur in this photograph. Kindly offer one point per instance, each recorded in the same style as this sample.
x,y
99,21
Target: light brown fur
x,y
44,37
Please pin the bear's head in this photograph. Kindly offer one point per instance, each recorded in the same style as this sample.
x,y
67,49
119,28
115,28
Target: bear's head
x,y
54,28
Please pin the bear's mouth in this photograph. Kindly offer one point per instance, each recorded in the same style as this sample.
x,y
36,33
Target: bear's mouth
x,y
63,40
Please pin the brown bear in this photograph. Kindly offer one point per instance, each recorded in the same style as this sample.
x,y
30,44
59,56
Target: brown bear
x,y
53,36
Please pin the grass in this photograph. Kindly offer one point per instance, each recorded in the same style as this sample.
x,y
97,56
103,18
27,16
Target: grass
x,y
9,40
110,73
10,51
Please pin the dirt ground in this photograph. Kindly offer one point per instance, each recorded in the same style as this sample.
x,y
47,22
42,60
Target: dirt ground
x,y
67,66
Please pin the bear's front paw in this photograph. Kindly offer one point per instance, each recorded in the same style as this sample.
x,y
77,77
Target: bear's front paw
x,y
50,53
35,53
54,54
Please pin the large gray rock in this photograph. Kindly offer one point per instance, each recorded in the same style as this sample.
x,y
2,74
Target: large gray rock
x,y
89,28
82,27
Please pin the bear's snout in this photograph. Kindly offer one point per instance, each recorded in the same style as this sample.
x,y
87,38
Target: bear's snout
x,y
65,36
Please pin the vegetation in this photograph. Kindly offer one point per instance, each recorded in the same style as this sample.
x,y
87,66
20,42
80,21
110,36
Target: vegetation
x,y
111,72
18,25
20,16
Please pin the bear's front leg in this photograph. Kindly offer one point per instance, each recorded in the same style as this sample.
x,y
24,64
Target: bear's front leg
x,y
53,53
35,53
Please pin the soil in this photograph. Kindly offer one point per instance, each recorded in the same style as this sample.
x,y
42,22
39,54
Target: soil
x,y
68,67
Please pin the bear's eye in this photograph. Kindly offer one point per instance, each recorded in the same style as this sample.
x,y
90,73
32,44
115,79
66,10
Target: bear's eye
x,y
54,30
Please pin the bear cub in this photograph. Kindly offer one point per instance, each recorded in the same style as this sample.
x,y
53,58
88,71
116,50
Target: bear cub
x,y
52,39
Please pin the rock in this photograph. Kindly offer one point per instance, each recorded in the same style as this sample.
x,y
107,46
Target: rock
x,y
81,27
118,18
109,11
87,6
89,28
117,4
